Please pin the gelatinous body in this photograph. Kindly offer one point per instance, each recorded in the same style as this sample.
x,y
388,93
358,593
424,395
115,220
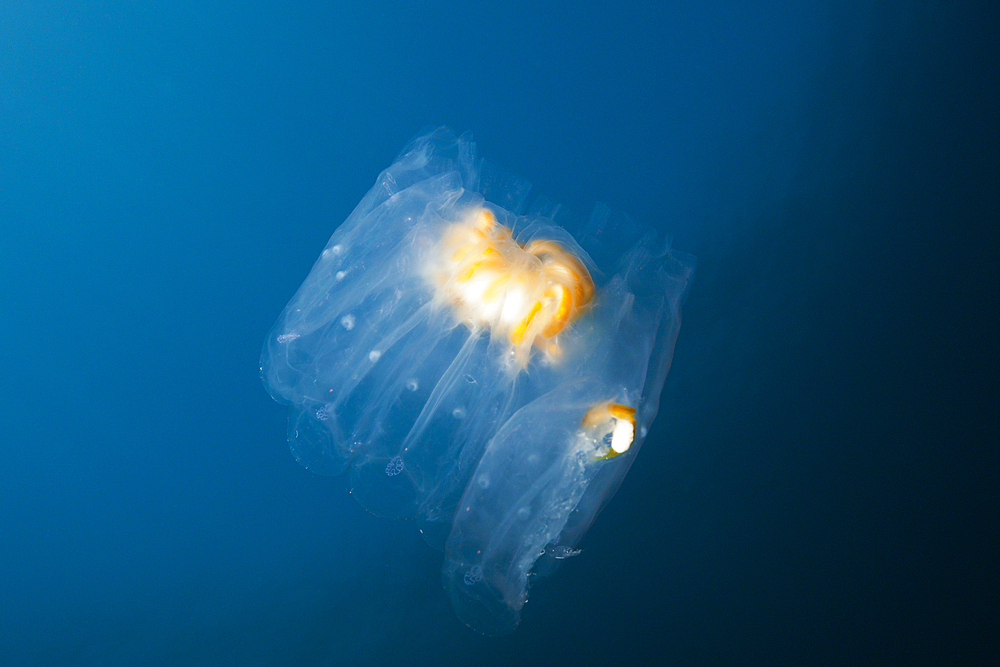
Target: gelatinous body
x,y
486,372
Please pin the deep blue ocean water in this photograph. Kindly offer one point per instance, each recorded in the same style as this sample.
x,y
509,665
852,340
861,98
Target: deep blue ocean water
x,y
819,487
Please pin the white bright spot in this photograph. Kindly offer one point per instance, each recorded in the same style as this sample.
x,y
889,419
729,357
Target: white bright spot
x,y
623,435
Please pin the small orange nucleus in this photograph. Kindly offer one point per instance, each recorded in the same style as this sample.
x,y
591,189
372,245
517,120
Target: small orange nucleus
x,y
611,426
526,294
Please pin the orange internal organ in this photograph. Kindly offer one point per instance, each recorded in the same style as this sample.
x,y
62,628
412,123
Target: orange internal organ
x,y
526,294
611,426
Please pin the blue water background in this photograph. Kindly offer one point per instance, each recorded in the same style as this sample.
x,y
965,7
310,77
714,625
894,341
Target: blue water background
x,y
819,483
